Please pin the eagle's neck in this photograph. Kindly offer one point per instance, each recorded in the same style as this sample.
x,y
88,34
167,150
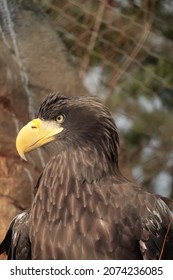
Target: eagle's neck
x,y
85,164
69,184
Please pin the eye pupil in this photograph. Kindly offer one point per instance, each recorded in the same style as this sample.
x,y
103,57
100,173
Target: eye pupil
x,y
60,118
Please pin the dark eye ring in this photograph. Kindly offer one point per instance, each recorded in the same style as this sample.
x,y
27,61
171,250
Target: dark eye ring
x,y
60,118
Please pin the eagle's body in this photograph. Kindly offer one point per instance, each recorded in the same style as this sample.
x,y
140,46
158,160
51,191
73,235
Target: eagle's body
x,y
84,208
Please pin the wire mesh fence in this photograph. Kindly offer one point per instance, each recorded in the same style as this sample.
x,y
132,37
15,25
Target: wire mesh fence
x,y
104,33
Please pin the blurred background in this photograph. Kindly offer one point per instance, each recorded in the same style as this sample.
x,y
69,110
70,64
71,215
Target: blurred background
x,y
118,50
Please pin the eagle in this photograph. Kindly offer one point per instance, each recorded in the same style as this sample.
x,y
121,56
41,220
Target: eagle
x,y
83,207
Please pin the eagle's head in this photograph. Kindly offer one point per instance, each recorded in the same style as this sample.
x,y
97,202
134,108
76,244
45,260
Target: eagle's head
x,y
72,123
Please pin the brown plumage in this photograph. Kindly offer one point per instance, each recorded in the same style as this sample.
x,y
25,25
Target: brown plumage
x,y
84,208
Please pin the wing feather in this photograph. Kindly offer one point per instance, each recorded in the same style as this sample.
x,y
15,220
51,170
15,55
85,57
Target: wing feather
x,y
16,243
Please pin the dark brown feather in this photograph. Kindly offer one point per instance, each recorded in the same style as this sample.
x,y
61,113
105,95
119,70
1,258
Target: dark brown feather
x,y
16,243
105,219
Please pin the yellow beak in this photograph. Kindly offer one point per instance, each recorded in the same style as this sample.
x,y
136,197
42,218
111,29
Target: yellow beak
x,y
35,134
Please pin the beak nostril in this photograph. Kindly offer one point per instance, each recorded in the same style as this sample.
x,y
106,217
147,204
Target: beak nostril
x,y
33,126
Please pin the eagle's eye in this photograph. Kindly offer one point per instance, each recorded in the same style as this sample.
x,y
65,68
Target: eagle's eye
x,y
60,118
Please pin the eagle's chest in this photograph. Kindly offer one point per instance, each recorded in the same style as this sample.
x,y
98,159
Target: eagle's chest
x,y
77,224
